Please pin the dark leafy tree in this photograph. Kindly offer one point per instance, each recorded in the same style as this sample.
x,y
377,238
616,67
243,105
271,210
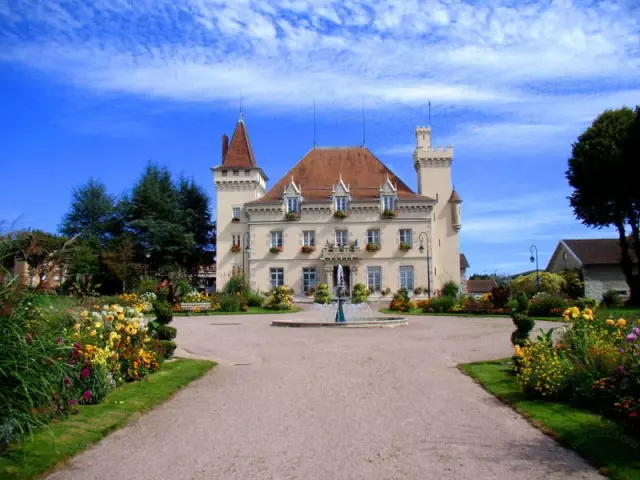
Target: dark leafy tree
x,y
602,172
92,214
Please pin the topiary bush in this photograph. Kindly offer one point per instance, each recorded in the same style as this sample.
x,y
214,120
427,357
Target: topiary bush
x,y
322,294
524,325
450,289
164,332
163,311
522,302
360,293
163,348
549,283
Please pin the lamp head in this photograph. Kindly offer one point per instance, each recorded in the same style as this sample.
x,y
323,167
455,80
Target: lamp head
x,y
421,249
531,259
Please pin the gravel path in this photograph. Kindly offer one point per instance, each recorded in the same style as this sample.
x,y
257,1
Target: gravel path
x,y
300,403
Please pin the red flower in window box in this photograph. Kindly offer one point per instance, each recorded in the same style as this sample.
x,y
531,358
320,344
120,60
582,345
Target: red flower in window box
x,y
307,249
275,249
373,247
340,214
388,214
235,220
235,248
404,247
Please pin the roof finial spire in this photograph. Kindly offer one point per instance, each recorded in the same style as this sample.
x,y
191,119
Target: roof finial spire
x,y
363,124
241,109
429,113
314,123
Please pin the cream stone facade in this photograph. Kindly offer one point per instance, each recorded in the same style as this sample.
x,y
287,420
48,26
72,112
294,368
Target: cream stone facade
x,y
291,234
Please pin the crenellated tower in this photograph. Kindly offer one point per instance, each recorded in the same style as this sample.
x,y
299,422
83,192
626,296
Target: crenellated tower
x,y
433,169
238,180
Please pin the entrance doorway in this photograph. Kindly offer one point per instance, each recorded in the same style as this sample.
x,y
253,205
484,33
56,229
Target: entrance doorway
x,y
347,278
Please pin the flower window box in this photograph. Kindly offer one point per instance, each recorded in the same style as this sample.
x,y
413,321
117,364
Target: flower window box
x,y
235,220
292,216
388,214
340,214
275,250
308,249
404,247
373,247
235,248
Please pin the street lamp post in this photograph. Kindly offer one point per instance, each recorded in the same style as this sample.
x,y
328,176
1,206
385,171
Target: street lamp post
x,y
146,257
533,250
245,248
421,250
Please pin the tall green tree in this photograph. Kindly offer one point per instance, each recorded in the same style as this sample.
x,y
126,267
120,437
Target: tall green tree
x,y
92,213
602,172
195,218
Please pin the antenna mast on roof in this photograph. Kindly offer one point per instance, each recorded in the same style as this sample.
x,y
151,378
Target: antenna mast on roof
x,y
363,125
429,112
314,123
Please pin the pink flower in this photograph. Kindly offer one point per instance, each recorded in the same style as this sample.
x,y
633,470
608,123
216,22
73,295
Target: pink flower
x,y
633,414
59,340
86,396
72,402
84,373
77,346
67,382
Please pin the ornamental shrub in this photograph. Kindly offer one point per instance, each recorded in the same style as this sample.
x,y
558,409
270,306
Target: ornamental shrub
x,y
360,293
279,299
442,304
167,348
146,284
322,294
230,302
574,286
400,301
586,302
547,305
254,299
450,289
524,325
163,332
549,283
522,302
611,298
236,284
163,311
542,371
499,296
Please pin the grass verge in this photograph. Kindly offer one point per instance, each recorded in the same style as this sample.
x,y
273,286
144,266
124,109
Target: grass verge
x,y
600,441
465,315
251,311
69,436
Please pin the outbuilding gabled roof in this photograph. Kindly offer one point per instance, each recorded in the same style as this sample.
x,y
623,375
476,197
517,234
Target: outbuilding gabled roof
x,y
239,154
597,251
480,286
322,167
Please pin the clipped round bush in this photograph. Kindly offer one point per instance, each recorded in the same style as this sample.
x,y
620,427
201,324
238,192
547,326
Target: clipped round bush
x,y
164,332
360,293
450,289
322,294
163,311
442,304
611,298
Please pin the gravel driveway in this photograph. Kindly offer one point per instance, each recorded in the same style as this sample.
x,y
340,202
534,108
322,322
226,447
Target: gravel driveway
x,y
302,403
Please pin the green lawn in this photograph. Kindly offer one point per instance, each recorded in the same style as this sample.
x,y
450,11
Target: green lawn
x,y
599,441
417,311
251,311
628,313
71,435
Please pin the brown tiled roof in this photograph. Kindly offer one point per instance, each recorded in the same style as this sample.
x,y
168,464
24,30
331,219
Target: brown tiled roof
x,y
480,286
320,169
600,251
239,154
463,262
455,197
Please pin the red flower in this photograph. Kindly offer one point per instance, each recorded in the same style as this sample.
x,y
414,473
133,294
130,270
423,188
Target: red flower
x,y
84,373
67,382
86,396
633,414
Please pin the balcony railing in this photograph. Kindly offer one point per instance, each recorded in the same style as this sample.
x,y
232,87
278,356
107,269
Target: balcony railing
x,y
340,252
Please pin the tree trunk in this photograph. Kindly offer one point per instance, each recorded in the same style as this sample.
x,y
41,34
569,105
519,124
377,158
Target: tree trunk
x,y
627,265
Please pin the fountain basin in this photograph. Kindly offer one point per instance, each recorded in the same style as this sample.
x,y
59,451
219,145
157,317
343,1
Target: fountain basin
x,y
370,322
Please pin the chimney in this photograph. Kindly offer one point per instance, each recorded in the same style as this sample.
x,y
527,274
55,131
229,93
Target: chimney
x,y
225,145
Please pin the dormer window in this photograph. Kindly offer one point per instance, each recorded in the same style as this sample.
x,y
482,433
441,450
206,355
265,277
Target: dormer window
x,y
293,204
341,204
389,202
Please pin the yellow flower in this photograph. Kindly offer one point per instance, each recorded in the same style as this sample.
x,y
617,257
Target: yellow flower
x,y
93,333
147,340
110,318
610,322
621,322
119,326
84,314
98,324
76,326
120,316
519,352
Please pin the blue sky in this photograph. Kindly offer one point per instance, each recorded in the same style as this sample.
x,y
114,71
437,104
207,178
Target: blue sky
x,y
97,88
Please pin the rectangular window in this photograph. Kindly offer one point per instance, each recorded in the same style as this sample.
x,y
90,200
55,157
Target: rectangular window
x,y
342,237
247,173
406,236
374,279
293,204
276,239
373,236
309,238
224,173
341,203
235,239
236,212
406,278
308,279
236,173
389,202
277,277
